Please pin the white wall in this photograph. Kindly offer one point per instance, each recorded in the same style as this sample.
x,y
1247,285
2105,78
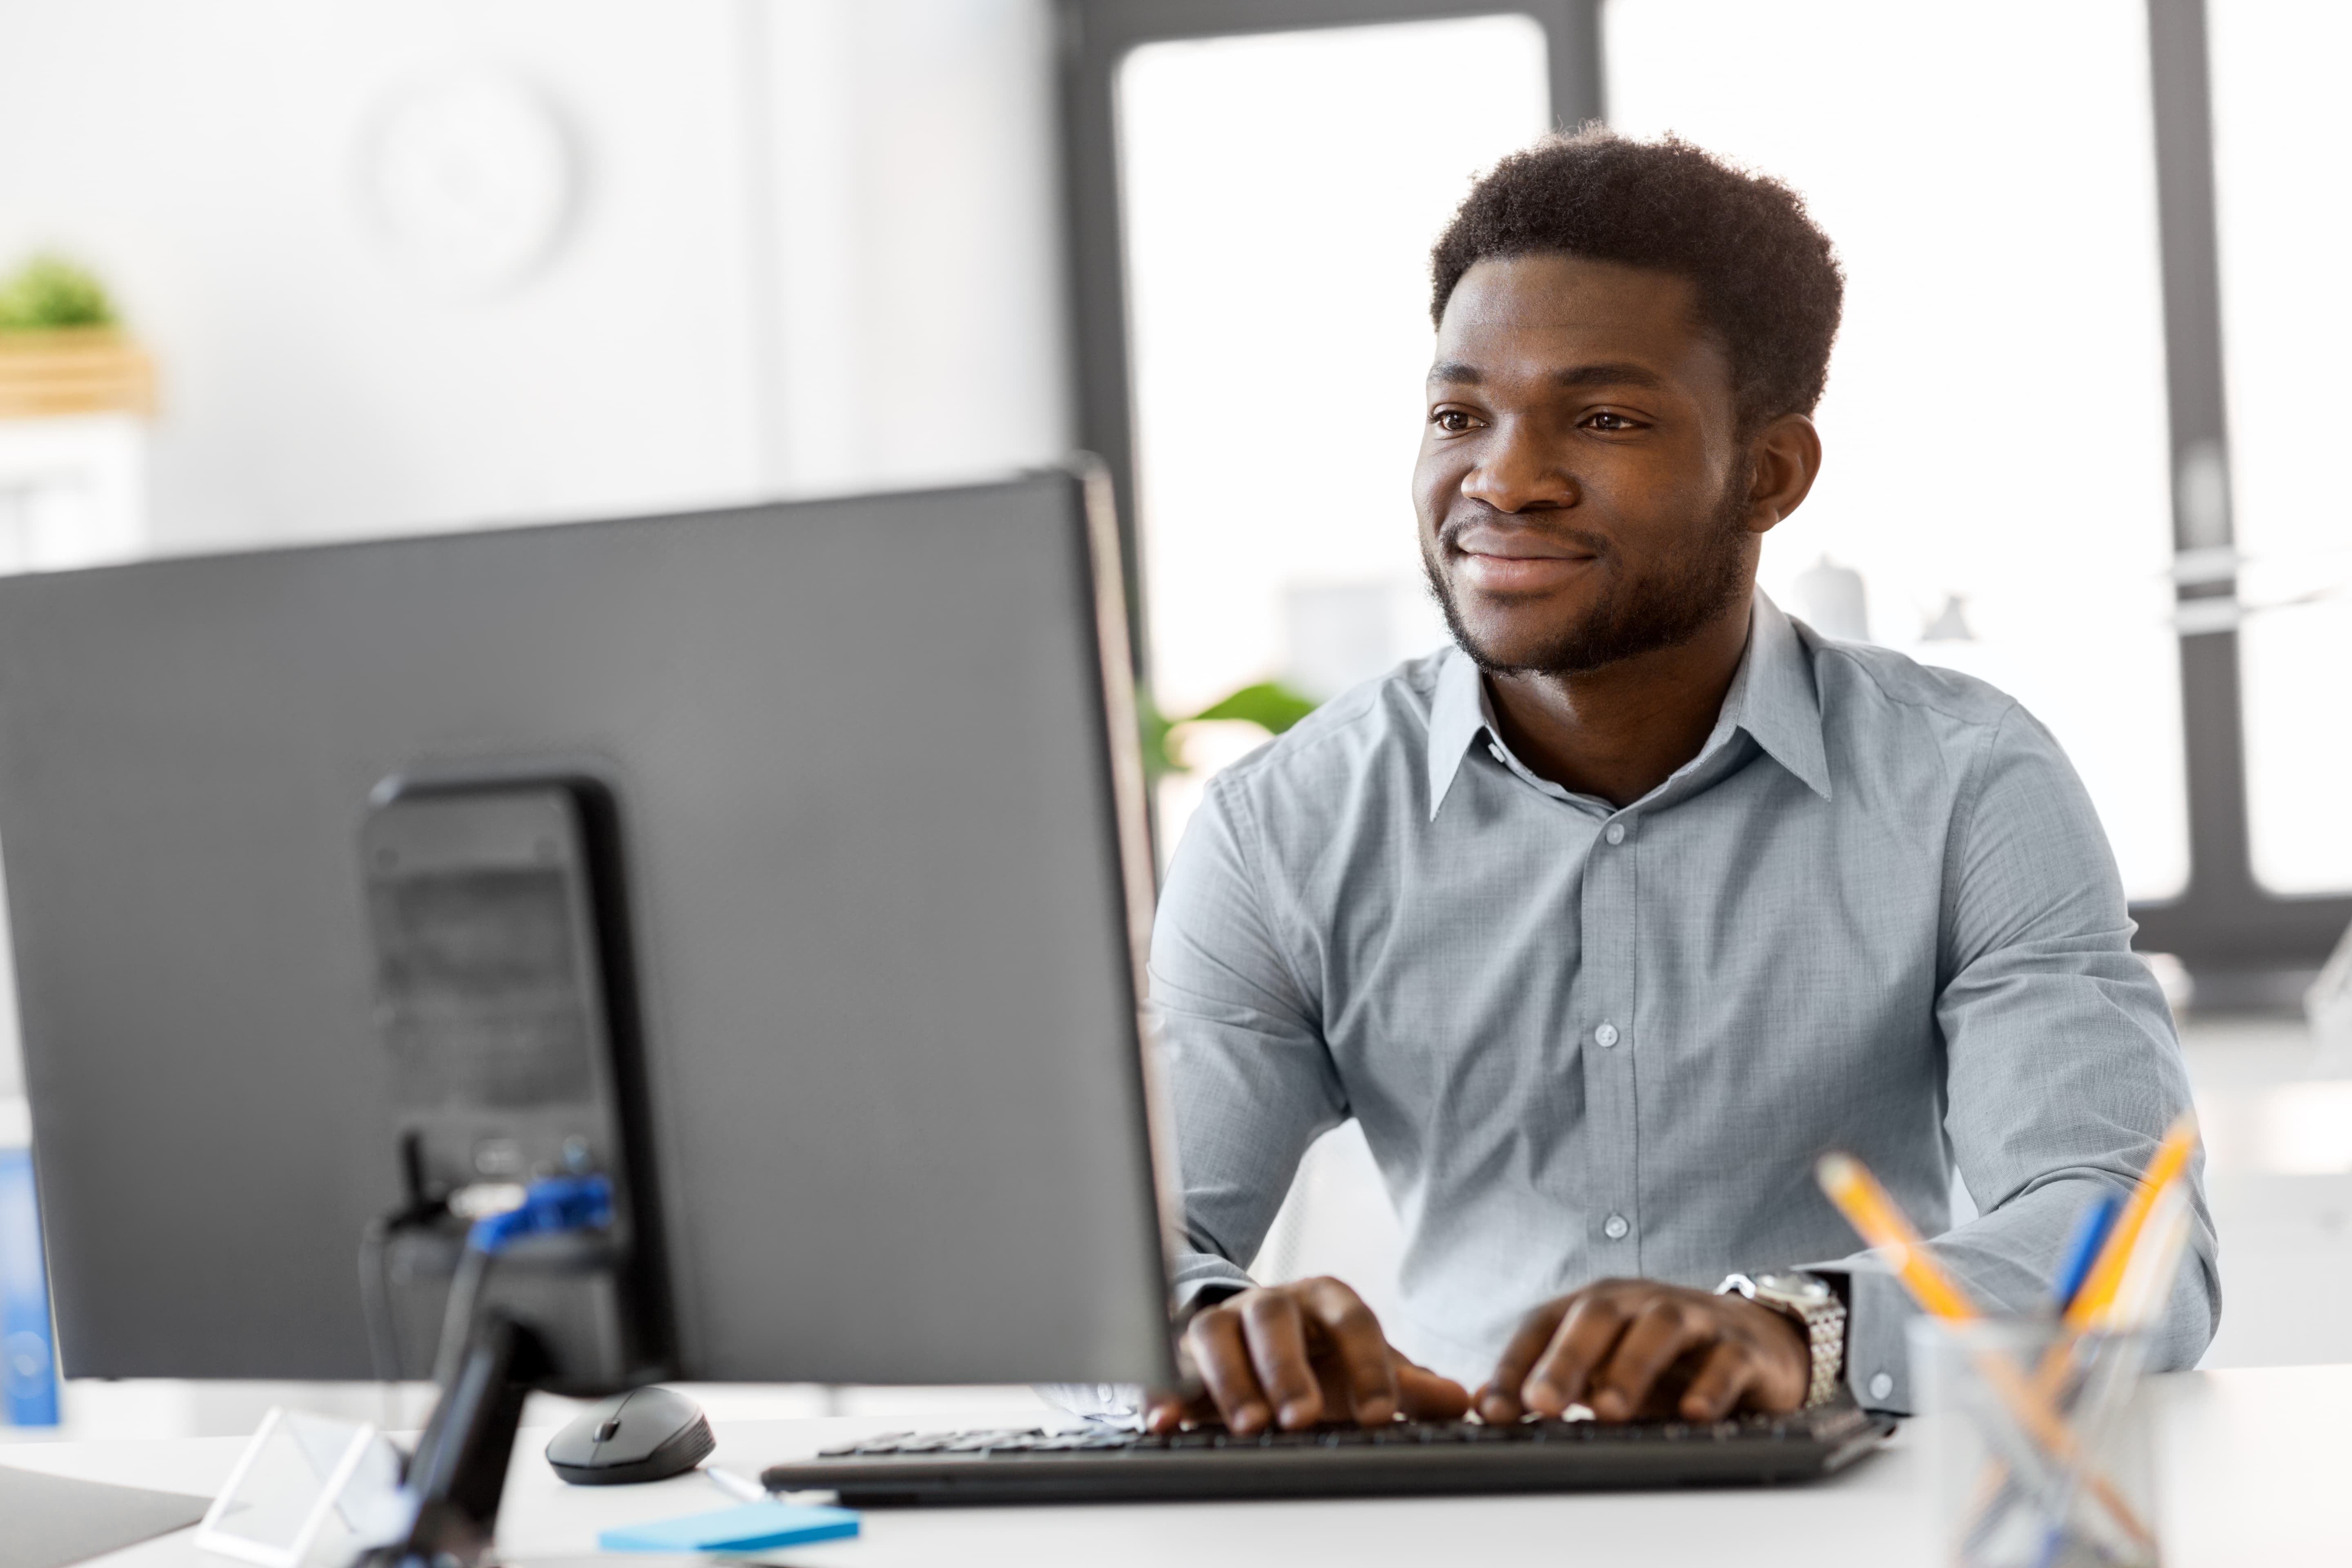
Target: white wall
x,y
918,213
812,249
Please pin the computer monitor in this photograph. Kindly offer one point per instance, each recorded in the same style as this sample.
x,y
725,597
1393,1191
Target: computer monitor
x,y
868,775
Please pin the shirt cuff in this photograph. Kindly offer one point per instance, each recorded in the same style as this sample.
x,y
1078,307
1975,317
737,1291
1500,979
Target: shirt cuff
x,y
1877,1354
1202,1279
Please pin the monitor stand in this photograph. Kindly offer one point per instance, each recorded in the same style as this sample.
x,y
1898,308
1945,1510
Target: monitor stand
x,y
568,1296
459,1469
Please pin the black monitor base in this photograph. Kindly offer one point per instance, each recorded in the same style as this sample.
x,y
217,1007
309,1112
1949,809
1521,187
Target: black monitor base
x,y
459,1469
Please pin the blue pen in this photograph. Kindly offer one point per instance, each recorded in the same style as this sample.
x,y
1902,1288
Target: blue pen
x,y
2083,1247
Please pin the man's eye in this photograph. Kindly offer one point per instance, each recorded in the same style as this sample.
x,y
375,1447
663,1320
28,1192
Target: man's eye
x,y
1611,422
1451,420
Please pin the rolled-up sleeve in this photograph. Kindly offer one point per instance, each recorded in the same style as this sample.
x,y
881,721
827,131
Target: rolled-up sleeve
x,y
2062,1067
1250,1080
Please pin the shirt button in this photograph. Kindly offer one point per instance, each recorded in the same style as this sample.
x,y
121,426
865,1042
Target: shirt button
x,y
1606,1034
1616,833
1882,1383
1615,1228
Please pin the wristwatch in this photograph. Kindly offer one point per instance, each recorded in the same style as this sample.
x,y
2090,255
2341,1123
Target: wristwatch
x,y
1808,1299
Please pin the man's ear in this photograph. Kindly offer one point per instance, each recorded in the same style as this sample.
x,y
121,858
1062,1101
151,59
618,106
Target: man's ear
x,y
1787,454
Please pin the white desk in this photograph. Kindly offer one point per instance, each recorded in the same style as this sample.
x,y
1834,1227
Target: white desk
x,y
2257,1470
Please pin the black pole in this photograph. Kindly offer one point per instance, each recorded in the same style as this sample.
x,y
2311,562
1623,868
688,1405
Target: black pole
x,y
459,1469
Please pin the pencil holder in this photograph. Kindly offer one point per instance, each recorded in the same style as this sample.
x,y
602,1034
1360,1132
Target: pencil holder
x,y
2039,1444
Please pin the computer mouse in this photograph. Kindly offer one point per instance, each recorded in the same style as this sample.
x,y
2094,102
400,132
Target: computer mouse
x,y
645,1434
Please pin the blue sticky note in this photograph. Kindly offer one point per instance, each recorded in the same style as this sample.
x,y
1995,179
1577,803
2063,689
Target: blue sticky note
x,y
749,1528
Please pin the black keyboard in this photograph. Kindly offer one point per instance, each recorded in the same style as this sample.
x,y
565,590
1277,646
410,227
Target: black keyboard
x,y
907,1468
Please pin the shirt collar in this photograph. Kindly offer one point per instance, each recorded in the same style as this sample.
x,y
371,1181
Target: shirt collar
x,y
1457,716
1773,698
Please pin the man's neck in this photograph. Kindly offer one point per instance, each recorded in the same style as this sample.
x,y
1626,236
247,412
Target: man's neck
x,y
1622,730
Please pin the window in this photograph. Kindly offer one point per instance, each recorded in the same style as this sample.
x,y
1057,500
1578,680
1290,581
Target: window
x,y
2281,137
2030,474
1996,445
1280,193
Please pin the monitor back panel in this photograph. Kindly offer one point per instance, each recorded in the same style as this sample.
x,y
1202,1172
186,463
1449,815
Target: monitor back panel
x,y
868,820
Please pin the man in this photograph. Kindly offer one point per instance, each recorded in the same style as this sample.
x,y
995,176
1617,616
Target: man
x,y
1606,922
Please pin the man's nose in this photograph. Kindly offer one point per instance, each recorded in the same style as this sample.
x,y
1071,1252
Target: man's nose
x,y
1518,472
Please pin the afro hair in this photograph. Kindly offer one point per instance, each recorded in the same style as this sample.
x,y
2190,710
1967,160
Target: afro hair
x,y
1767,280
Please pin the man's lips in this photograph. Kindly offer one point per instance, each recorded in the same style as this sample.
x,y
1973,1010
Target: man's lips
x,y
1515,561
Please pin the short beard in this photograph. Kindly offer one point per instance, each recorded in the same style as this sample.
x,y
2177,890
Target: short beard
x,y
1633,617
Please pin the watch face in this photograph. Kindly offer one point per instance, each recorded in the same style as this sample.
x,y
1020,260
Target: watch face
x,y
1799,1284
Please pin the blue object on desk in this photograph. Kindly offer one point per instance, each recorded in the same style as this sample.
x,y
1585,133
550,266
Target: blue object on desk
x,y
752,1526
28,1371
2083,1247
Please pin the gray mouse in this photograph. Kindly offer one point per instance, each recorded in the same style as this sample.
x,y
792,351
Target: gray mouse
x,y
645,1434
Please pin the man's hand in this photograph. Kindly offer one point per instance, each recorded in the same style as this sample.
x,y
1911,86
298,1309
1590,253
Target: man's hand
x,y
1297,1355
1628,1348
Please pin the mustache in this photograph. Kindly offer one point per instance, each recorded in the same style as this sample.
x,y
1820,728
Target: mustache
x,y
1468,512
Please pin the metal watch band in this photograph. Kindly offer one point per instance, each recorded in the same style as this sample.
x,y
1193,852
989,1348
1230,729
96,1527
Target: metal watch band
x,y
1807,1299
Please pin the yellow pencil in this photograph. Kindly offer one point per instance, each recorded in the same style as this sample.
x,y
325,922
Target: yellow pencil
x,y
2106,1275
2155,1265
1869,1208
1873,1212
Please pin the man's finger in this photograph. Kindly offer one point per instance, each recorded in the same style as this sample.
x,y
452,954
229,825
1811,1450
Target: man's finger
x,y
1587,1333
1276,1336
1224,1363
1164,1411
1723,1376
1662,1333
1783,1359
1499,1400
1354,1336
1426,1397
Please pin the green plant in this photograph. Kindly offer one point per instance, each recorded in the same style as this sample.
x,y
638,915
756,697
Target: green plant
x,y
1268,704
49,292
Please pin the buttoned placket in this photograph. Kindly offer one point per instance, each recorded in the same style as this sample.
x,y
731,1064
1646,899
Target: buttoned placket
x,y
1612,924
1611,916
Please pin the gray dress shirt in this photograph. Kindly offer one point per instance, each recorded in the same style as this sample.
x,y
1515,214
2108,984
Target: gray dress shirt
x,y
1875,912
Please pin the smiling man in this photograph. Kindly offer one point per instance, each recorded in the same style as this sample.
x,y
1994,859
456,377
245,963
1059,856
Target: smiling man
x,y
1606,920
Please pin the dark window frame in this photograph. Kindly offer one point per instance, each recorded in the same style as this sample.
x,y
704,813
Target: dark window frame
x,y
2243,945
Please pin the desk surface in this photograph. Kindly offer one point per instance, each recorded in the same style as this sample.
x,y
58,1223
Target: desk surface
x,y
2257,1468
